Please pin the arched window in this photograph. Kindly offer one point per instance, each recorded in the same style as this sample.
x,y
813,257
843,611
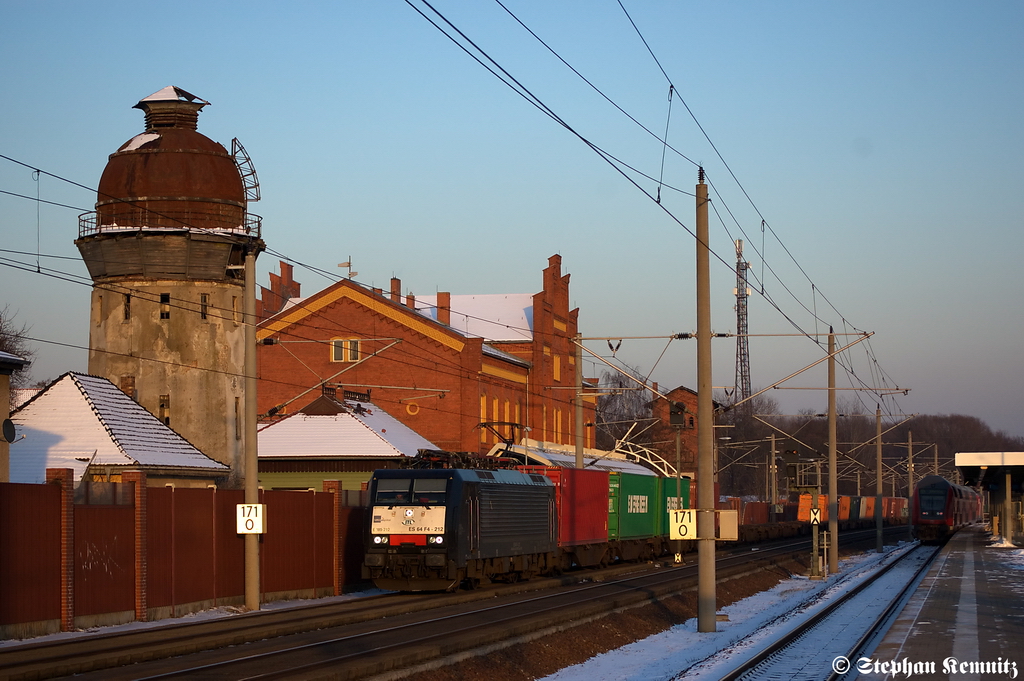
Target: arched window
x,y
345,350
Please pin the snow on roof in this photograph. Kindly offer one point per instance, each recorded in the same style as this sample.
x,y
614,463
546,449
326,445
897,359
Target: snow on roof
x,y
137,141
20,396
550,454
493,317
171,94
86,417
12,359
501,354
372,433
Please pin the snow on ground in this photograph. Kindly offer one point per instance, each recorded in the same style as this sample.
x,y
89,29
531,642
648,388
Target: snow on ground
x,y
753,622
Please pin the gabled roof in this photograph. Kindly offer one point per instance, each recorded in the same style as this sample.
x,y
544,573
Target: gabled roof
x,y
362,431
348,289
80,420
493,317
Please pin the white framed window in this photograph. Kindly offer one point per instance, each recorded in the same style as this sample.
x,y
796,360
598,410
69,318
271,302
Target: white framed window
x,y
345,350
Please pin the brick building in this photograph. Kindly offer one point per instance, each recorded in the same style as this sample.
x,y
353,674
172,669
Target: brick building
x,y
664,434
441,364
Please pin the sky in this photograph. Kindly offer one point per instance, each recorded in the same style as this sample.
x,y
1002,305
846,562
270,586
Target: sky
x,y
868,154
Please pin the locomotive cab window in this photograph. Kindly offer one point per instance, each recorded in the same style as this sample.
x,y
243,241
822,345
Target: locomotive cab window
x,y
429,491
932,500
393,491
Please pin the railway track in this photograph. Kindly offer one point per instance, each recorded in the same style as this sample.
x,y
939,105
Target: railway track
x,y
826,643
365,636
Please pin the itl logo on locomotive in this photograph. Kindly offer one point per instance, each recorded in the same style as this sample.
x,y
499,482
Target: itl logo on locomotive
x,y
636,503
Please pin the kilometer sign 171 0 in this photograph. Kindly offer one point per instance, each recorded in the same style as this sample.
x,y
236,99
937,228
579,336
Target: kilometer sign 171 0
x,y
683,524
249,518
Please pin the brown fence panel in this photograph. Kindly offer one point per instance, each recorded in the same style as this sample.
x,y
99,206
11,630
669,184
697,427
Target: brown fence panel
x,y
286,554
324,545
230,563
29,553
104,559
193,545
159,553
352,523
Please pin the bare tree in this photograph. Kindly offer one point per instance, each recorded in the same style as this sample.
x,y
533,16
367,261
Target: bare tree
x,y
13,341
623,407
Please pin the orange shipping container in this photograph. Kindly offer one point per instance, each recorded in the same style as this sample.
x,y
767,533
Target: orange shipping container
x,y
844,508
867,508
804,511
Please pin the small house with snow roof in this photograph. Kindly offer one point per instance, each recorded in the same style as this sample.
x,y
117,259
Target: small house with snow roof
x,y
87,424
333,439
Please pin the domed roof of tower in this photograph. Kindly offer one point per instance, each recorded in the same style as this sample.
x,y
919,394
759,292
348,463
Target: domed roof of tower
x,y
172,176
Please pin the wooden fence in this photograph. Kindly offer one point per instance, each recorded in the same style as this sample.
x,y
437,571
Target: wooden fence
x,y
109,553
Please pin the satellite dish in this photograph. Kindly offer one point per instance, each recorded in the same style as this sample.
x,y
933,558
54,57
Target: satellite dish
x,y
9,432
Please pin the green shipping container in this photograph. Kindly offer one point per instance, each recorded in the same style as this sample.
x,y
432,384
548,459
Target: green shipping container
x,y
634,506
668,497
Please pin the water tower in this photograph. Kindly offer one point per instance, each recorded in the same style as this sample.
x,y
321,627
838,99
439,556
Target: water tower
x,y
165,250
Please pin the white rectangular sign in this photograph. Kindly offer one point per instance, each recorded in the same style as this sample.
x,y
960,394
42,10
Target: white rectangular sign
x,y
683,524
250,518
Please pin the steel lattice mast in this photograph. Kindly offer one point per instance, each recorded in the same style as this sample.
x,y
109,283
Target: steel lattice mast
x,y
742,348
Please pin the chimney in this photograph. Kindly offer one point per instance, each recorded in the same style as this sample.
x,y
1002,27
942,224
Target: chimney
x,y
410,300
444,308
396,289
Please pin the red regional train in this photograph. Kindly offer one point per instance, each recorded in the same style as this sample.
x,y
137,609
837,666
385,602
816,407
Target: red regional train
x,y
941,508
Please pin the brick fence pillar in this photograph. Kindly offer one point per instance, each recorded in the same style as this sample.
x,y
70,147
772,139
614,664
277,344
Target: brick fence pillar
x,y
338,551
141,543
65,479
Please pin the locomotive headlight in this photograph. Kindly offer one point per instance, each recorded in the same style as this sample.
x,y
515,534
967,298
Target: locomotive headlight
x,y
377,539
438,540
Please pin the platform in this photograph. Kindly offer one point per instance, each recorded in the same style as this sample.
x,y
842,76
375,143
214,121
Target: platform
x,y
964,621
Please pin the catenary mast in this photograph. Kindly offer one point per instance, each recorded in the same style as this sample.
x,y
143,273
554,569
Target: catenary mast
x,y
742,347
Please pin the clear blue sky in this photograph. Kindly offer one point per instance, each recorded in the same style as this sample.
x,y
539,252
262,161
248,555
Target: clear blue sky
x,y
881,142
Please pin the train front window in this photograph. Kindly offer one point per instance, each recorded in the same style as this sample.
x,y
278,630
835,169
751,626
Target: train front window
x,y
393,491
932,500
429,491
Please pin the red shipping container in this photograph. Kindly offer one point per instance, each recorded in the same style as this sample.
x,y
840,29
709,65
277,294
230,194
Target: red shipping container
x,y
755,513
581,498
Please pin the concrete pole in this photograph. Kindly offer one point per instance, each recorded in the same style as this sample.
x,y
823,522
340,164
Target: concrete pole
x,y
5,413
251,462
910,485
678,544
833,472
579,398
816,527
879,543
1008,509
706,594
774,491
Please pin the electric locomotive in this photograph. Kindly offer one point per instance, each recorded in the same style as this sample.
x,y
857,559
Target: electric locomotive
x,y
941,508
432,529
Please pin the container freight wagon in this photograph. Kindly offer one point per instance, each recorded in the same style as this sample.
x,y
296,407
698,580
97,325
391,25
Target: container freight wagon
x,y
668,501
804,510
432,529
581,498
635,530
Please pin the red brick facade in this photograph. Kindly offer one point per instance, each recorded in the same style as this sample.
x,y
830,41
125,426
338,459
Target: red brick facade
x,y
64,478
665,434
437,381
